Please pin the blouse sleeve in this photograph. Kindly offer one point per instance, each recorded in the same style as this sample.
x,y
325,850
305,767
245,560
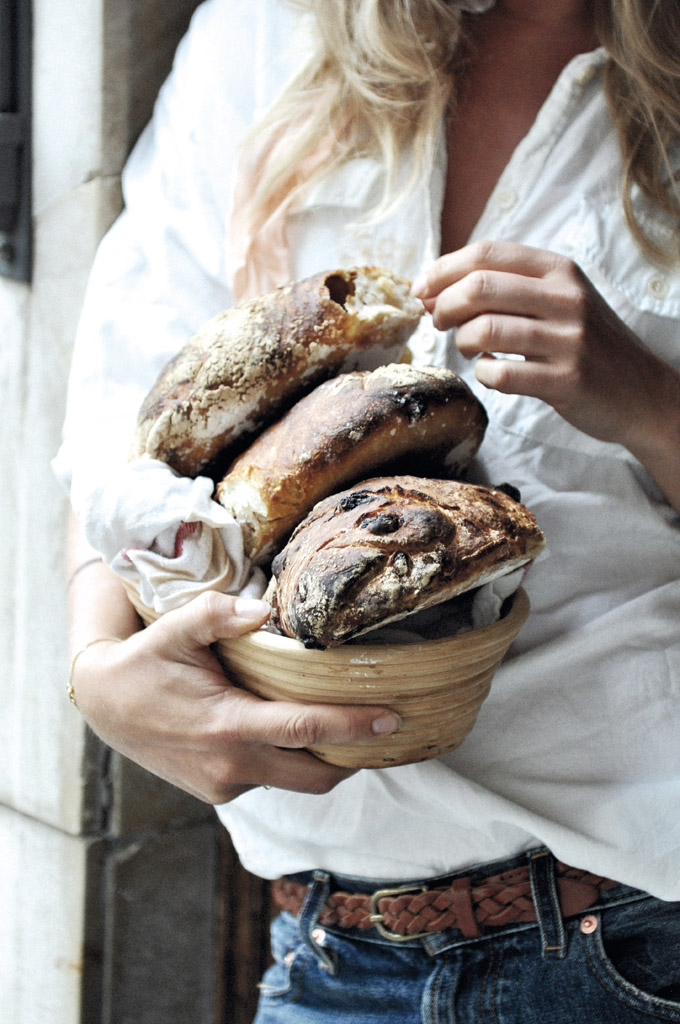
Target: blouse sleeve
x,y
160,272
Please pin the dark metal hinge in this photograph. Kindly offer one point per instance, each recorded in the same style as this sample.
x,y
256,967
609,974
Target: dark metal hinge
x,y
15,139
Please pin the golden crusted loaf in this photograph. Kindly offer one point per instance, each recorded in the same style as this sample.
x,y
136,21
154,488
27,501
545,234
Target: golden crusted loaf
x,y
250,363
390,546
396,418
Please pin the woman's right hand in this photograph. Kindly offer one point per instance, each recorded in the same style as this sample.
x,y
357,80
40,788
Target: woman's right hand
x,y
161,698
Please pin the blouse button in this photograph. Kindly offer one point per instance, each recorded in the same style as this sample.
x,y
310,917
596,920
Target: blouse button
x,y
585,74
506,198
657,287
426,343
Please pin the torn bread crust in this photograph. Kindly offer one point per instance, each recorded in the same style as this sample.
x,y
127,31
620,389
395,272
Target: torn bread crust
x,y
251,362
391,546
409,418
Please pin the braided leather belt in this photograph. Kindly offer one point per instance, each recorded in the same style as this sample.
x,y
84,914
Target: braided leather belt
x,y
410,912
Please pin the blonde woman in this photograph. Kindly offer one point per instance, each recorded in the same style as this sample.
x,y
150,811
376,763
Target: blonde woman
x,y
517,160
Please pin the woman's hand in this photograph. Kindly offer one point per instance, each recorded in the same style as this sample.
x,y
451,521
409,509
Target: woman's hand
x,y
161,698
577,355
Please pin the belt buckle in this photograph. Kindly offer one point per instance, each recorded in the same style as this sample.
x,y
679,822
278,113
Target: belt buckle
x,y
376,918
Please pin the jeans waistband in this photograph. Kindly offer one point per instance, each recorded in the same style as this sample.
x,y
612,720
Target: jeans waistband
x,y
532,890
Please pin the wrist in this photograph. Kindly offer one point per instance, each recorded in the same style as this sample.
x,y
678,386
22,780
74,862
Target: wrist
x,y
81,650
655,440
654,432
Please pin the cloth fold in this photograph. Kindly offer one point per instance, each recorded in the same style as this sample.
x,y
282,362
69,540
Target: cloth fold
x,y
164,534
473,609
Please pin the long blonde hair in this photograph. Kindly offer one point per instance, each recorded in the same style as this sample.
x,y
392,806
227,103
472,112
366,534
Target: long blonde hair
x,y
642,85
384,71
379,80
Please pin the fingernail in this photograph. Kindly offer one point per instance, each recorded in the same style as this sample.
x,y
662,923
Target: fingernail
x,y
385,723
420,286
250,608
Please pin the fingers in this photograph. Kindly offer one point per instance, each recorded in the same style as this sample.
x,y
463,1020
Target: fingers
x,y
219,779
490,291
184,721
262,742
510,257
530,337
295,770
254,742
514,377
288,724
500,278
210,617
213,616
188,725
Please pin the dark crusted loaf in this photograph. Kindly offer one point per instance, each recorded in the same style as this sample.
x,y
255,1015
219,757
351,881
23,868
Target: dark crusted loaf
x,y
247,365
390,546
396,418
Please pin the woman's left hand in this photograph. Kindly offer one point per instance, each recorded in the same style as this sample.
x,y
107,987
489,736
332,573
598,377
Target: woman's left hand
x,y
506,298
578,356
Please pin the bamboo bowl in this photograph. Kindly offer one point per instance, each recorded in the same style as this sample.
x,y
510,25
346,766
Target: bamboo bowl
x,y
436,686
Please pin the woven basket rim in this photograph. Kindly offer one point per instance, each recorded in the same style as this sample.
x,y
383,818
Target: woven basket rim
x,y
268,642
512,620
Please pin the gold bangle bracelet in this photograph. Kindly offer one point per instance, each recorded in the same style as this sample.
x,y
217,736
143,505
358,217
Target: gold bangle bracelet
x,y
99,640
83,565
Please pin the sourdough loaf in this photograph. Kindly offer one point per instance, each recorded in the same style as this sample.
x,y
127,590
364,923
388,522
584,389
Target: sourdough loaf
x,y
396,418
390,546
251,362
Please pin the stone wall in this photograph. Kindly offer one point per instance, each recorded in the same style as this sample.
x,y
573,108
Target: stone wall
x,y
107,877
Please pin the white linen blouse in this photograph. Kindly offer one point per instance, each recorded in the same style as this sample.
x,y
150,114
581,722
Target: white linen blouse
x,y
578,745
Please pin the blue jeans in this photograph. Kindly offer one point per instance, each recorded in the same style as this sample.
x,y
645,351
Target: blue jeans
x,y
618,962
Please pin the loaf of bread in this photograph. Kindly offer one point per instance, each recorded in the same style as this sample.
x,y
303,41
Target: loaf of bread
x,y
396,418
248,364
390,546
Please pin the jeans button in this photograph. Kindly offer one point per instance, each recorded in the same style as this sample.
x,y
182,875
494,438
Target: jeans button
x,y
589,924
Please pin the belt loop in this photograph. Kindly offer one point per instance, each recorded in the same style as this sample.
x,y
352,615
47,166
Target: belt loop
x,y
316,896
462,904
546,902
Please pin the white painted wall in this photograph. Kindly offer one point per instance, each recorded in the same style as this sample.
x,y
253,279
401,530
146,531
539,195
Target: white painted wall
x,y
57,844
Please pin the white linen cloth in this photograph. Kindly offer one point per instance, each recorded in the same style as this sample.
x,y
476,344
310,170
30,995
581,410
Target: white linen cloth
x,y
578,745
164,534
